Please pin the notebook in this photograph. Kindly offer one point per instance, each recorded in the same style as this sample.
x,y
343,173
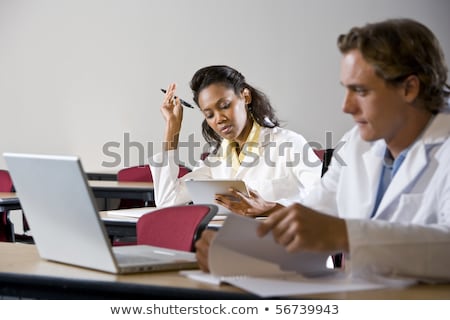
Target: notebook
x,y
204,191
65,223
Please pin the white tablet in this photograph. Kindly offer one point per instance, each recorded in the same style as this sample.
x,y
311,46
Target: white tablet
x,y
204,191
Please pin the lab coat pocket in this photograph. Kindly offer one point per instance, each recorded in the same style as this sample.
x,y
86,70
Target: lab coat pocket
x,y
407,208
275,189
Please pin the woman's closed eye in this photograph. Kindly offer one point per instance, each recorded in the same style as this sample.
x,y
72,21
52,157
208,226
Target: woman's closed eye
x,y
210,114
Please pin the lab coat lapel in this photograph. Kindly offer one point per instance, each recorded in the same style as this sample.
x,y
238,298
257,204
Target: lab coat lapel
x,y
416,160
372,160
265,136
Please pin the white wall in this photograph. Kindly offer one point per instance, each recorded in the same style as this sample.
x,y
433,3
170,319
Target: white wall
x,y
77,74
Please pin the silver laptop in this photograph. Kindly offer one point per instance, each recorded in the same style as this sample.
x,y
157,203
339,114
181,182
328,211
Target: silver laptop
x,y
65,223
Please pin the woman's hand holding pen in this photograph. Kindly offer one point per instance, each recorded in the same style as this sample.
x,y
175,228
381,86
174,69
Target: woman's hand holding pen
x,y
172,112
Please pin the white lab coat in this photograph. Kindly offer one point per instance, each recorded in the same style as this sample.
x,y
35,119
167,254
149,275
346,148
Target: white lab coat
x,y
283,170
410,232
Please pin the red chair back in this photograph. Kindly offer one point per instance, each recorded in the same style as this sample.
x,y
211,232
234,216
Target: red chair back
x,y
325,156
176,227
140,174
6,230
204,155
135,174
6,184
143,173
183,170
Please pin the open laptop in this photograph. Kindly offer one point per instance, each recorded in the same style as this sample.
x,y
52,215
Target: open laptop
x,y
65,223
204,190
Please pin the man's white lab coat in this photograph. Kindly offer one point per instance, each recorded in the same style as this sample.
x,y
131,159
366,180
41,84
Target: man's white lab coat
x,y
410,232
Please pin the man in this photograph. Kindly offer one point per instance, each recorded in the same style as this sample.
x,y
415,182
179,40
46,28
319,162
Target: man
x,y
387,208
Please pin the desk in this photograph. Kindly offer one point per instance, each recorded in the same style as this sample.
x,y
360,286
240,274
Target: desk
x,y
101,189
115,226
9,201
24,274
109,176
122,190
119,227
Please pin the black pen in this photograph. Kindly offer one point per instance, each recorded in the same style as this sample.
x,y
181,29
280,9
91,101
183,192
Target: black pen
x,y
184,103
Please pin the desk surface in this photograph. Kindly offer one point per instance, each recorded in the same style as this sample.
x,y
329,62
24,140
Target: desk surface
x,y
7,195
9,201
23,273
100,185
122,190
108,184
101,188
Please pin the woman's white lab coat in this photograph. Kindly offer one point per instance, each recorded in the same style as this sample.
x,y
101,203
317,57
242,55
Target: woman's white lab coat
x,y
410,232
282,168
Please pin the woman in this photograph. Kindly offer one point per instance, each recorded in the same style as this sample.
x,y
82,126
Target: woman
x,y
277,164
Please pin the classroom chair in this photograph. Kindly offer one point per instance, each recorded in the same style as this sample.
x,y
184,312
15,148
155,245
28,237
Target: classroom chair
x,y
7,232
6,227
140,174
325,156
204,155
176,227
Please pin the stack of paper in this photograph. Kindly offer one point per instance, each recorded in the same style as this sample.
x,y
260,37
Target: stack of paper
x,y
259,265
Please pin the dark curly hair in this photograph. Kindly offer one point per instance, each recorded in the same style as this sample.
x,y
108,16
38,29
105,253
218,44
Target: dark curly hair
x,y
259,107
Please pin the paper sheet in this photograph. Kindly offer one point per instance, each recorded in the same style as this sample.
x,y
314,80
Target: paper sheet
x,y
296,285
237,250
287,285
131,213
239,257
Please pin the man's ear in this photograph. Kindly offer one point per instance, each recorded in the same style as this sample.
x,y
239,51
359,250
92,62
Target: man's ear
x,y
247,96
411,88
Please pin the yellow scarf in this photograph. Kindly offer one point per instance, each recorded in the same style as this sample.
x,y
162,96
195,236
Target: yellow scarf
x,y
229,148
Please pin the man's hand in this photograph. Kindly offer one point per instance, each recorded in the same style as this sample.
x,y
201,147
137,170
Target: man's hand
x,y
202,248
300,228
